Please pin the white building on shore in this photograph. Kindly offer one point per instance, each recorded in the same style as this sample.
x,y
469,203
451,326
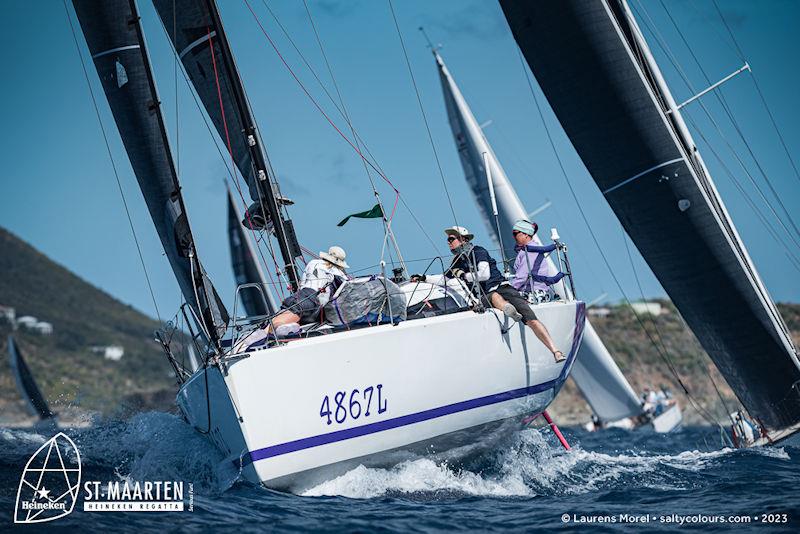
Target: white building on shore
x,y
653,308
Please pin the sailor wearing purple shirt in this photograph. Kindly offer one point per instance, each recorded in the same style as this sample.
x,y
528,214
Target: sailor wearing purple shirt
x,y
530,269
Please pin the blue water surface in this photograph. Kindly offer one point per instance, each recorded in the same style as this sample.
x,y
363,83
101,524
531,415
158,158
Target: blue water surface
x,y
610,481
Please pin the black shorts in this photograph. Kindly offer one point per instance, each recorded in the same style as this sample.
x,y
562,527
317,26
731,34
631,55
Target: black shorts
x,y
516,299
304,303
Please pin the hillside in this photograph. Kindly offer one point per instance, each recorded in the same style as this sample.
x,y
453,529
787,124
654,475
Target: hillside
x,y
641,363
68,372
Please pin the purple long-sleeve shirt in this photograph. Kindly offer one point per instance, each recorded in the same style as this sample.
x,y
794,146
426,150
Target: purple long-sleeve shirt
x,y
530,269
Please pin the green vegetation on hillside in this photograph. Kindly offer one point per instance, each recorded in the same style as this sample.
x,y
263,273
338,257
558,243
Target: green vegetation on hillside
x,y
82,316
644,366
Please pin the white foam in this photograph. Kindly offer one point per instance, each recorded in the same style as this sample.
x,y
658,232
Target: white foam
x,y
531,465
417,476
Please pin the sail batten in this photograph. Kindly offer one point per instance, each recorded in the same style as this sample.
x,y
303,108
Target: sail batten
x,y
595,373
113,33
610,98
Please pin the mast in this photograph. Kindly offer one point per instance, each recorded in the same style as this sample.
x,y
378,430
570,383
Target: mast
x,y
595,372
202,45
609,96
114,36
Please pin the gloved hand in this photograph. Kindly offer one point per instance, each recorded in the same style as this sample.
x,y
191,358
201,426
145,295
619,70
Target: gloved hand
x,y
417,278
458,273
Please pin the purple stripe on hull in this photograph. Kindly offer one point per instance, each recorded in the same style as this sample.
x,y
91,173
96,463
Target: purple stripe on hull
x,y
433,413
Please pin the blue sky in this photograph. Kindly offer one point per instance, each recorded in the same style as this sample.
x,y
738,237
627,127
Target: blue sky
x,y
60,195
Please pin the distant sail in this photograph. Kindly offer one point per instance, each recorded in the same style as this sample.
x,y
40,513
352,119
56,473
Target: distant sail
x,y
599,76
113,32
196,31
26,385
246,268
596,374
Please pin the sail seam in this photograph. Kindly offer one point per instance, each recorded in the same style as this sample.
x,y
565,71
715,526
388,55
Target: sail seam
x,y
632,178
117,49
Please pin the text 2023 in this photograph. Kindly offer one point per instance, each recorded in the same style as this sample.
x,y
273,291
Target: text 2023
x,y
353,404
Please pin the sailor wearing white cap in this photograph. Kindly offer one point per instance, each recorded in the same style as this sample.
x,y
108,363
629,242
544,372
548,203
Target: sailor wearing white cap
x,y
320,280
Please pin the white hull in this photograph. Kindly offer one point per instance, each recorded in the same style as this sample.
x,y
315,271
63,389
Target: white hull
x,y
429,385
669,420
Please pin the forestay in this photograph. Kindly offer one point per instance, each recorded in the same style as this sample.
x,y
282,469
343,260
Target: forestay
x,y
596,71
113,32
596,374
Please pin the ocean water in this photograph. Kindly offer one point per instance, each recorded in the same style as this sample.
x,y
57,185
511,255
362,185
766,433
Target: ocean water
x,y
610,481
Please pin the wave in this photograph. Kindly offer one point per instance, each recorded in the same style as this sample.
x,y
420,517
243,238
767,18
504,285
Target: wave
x,y
531,465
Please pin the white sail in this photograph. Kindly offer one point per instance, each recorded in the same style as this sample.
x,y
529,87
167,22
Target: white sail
x,y
596,374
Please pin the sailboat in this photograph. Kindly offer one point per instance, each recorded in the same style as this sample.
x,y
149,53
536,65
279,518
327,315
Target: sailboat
x,y
605,87
599,379
298,411
27,387
252,288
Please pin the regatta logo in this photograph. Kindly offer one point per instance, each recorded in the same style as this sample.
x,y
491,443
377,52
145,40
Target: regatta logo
x,y
51,482
49,485
149,496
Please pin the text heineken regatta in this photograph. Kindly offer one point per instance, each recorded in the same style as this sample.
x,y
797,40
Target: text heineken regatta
x,y
148,496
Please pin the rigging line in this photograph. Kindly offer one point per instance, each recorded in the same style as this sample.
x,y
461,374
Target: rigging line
x,y
113,165
767,226
213,138
422,111
664,357
760,94
671,56
723,102
313,100
386,226
175,74
335,105
653,320
230,148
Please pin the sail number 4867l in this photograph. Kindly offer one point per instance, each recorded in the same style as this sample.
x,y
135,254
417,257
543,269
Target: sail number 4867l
x,y
352,404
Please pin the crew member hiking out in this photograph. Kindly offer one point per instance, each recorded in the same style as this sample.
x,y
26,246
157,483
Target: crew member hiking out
x,y
321,278
472,263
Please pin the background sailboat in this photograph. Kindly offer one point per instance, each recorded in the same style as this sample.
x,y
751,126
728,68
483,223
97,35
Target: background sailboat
x,y
597,376
603,84
246,268
26,385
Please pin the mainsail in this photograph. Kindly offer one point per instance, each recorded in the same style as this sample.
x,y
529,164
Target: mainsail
x,y
26,385
196,31
246,268
596,374
114,35
600,78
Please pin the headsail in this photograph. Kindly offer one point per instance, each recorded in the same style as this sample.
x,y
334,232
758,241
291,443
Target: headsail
x,y
196,31
113,32
246,268
599,76
595,373
26,385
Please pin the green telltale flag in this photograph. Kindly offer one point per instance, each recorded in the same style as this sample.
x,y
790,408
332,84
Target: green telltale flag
x,y
375,213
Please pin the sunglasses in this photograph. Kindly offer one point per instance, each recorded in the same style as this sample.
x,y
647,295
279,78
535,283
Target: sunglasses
x,y
451,239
